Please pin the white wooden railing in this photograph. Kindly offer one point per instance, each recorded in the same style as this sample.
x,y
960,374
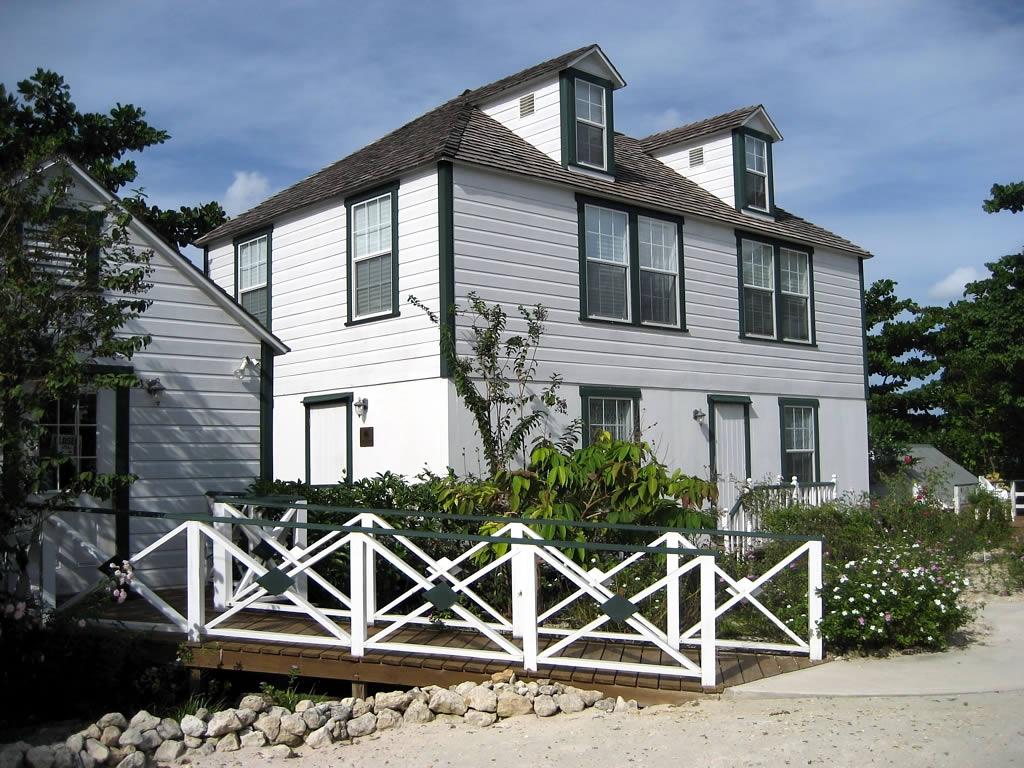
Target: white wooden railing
x,y
278,566
745,515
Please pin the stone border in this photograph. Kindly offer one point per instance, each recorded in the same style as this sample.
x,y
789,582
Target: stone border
x,y
257,723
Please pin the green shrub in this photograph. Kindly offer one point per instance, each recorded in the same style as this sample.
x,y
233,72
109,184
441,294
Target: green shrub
x,y
849,529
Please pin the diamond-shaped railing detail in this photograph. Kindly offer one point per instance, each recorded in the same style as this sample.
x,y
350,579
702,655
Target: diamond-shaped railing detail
x,y
275,581
442,596
618,608
263,550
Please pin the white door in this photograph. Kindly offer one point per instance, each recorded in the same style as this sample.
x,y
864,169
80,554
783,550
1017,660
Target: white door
x,y
327,442
730,451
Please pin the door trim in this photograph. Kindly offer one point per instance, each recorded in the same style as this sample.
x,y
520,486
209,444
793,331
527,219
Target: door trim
x,y
712,447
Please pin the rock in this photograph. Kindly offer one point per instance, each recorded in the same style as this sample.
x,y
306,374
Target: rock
x,y
97,750
203,750
151,739
144,721
193,726
134,760
418,712
621,705
361,706
111,735
397,700
480,719
506,676
92,732
463,688
338,730
444,702
532,689
229,743
313,718
570,702
75,742
255,702
65,758
211,741
481,699
544,705
294,724
84,759
132,737
278,711
246,717
605,705
280,752
192,742
342,712
512,705
363,725
169,751
590,698
203,714
169,729
222,723
115,719
547,690
388,718
270,725
253,739
321,737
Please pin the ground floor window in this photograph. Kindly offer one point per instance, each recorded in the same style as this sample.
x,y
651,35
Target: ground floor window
x,y
614,410
69,433
799,439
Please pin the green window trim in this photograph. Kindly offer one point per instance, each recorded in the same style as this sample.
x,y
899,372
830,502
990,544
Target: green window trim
x,y
446,252
567,88
775,245
714,400
797,402
237,243
335,398
266,411
93,222
633,269
739,166
611,393
864,329
352,318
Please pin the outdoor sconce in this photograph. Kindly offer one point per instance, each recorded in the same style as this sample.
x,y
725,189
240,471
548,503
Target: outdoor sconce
x,y
361,406
154,389
249,368
699,415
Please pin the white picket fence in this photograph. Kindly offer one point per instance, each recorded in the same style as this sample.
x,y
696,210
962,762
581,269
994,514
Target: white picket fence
x,y
744,518
276,566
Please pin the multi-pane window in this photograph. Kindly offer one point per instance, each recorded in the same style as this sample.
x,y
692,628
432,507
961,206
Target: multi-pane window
x,y
632,267
253,284
69,433
777,289
799,427
591,124
756,179
372,254
615,410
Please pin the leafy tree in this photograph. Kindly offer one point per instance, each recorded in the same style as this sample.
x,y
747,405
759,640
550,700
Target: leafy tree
x,y
901,401
44,122
70,282
1006,197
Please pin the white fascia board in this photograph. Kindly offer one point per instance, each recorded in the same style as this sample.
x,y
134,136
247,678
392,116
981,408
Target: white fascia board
x,y
763,115
616,78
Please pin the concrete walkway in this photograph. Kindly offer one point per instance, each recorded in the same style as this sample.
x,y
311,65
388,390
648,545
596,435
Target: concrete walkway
x,y
993,662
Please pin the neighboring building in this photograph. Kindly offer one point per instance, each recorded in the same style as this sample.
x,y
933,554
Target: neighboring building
x,y
195,424
944,479
682,300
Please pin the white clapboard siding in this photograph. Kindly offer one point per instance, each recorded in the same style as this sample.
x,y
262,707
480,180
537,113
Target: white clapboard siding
x,y
543,127
715,174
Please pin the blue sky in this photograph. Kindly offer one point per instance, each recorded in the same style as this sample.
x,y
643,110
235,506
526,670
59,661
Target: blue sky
x,y
897,116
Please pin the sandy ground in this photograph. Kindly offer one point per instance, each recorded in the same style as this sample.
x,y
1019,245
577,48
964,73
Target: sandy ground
x,y
973,730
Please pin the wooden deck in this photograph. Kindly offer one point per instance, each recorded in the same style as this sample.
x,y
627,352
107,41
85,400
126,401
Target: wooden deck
x,y
409,669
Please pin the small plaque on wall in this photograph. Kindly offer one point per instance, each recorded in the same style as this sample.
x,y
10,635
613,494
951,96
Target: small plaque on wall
x,y
366,437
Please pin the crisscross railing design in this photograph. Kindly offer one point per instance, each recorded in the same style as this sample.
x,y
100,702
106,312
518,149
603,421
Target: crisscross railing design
x,y
385,579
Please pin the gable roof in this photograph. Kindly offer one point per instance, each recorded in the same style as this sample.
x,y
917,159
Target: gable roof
x,y
178,261
726,122
458,130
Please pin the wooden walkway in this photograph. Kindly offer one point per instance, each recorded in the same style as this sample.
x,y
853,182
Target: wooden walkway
x,y
406,670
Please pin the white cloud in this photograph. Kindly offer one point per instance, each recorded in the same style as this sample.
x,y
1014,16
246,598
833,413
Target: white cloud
x,y
248,189
952,286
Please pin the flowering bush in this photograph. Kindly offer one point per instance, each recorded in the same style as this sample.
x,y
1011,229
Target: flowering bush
x,y
902,595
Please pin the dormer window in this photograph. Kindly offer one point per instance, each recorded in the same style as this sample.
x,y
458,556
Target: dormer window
x,y
587,127
753,177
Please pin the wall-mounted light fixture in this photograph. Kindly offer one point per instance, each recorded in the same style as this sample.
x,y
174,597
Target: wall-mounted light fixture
x,y
248,368
699,415
154,388
361,406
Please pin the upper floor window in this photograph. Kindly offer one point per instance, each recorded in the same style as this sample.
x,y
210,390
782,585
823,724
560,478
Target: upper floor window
x,y
252,257
777,292
373,256
631,266
753,172
587,129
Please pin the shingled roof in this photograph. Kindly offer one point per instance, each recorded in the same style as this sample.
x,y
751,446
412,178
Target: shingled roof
x,y
458,130
725,122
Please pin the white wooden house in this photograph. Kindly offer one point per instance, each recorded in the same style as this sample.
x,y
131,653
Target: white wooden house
x,y
196,423
683,301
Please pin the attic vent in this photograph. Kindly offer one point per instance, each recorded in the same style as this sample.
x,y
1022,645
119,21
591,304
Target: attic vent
x,y
696,156
526,105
